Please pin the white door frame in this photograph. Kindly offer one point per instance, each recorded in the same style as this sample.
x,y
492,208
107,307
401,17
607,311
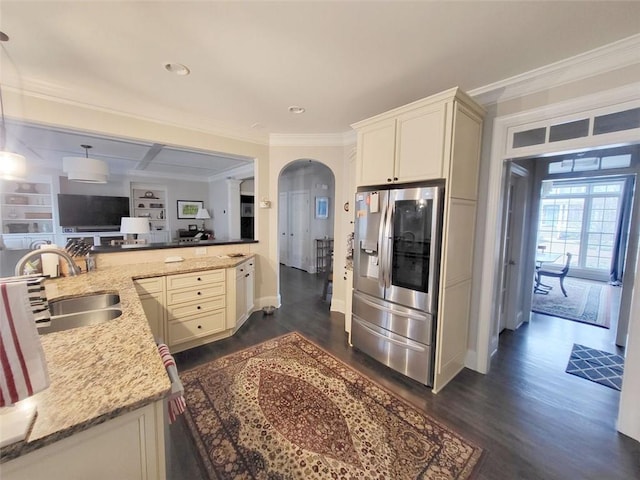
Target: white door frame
x,y
300,236
629,97
283,227
512,286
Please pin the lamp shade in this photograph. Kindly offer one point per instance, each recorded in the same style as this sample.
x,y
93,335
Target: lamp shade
x,y
202,214
84,169
134,225
12,166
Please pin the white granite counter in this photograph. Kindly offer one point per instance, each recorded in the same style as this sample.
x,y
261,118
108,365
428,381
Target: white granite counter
x,y
102,371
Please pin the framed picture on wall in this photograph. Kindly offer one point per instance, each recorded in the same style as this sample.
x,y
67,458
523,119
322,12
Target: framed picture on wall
x,y
189,208
322,207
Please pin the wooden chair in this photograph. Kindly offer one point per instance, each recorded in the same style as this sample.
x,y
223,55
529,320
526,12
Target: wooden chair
x,y
553,273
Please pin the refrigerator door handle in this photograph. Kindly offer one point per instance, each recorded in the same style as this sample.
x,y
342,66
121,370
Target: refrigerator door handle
x,y
411,346
382,249
388,241
391,310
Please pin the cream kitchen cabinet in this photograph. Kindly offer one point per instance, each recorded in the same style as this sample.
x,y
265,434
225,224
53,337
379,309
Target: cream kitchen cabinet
x,y
195,308
241,301
128,446
411,143
152,296
438,137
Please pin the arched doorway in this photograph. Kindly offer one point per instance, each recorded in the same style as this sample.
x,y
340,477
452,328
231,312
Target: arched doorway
x,y
306,218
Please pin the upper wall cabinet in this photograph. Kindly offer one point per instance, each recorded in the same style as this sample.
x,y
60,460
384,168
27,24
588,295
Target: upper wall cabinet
x,y
415,142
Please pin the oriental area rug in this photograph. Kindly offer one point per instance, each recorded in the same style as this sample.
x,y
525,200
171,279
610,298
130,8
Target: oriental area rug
x,y
286,409
586,302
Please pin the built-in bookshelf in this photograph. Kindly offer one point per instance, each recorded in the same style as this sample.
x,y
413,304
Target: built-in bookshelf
x,y
27,212
149,201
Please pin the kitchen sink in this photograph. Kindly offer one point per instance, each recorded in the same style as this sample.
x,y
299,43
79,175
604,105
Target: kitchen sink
x,y
80,319
82,311
84,303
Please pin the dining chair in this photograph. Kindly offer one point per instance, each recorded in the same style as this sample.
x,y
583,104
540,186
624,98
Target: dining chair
x,y
553,273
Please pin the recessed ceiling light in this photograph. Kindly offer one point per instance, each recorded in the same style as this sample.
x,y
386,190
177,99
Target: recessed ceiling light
x,y
177,68
296,109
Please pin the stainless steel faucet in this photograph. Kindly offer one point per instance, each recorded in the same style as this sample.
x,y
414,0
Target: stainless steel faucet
x,y
73,268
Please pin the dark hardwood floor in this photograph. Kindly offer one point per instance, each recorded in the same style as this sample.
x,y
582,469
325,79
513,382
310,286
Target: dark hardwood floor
x,y
533,420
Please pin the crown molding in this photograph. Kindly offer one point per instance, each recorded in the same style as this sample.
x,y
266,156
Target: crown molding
x,y
49,92
603,59
313,140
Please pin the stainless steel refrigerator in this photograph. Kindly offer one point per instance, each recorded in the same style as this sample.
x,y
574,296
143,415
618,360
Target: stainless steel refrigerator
x,y
396,269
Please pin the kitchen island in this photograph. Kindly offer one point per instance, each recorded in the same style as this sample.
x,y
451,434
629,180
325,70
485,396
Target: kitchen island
x,y
186,242
104,371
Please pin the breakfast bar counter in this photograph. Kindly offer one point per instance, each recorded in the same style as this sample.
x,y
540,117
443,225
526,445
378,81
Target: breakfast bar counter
x,y
102,371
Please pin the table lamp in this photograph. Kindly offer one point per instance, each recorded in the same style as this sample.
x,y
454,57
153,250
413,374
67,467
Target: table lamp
x,y
132,226
202,214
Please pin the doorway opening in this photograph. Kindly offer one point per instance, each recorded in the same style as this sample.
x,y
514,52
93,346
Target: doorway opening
x,y
306,203
582,205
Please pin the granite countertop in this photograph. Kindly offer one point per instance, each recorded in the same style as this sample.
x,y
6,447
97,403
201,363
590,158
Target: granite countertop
x,y
102,371
186,242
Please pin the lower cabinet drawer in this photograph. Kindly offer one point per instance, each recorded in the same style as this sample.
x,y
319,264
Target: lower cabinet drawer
x,y
149,285
191,294
197,326
182,310
184,280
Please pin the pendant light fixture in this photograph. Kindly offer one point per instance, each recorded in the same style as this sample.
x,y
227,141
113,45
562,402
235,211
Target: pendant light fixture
x,y
13,166
85,169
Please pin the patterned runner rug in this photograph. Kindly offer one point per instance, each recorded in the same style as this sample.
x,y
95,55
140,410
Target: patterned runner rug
x,y
586,302
598,366
287,409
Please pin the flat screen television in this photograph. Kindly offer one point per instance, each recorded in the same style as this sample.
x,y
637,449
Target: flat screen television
x,y
92,211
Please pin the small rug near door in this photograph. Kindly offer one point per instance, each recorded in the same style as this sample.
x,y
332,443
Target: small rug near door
x,y
595,365
586,302
287,409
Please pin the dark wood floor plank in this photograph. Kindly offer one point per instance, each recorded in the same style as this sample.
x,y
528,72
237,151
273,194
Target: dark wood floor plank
x,y
534,420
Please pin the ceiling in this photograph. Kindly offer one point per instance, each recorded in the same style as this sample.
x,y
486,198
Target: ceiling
x,y
342,61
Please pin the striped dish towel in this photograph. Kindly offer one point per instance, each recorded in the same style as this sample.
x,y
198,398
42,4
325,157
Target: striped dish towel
x,y
38,300
176,404
22,360
37,297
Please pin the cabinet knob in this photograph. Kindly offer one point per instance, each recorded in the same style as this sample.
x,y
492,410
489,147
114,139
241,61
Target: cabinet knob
x,y
199,307
246,275
200,326
395,179
242,269
199,279
388,179
199,293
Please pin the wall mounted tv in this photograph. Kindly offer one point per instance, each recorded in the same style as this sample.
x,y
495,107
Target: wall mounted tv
x,y
91,212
